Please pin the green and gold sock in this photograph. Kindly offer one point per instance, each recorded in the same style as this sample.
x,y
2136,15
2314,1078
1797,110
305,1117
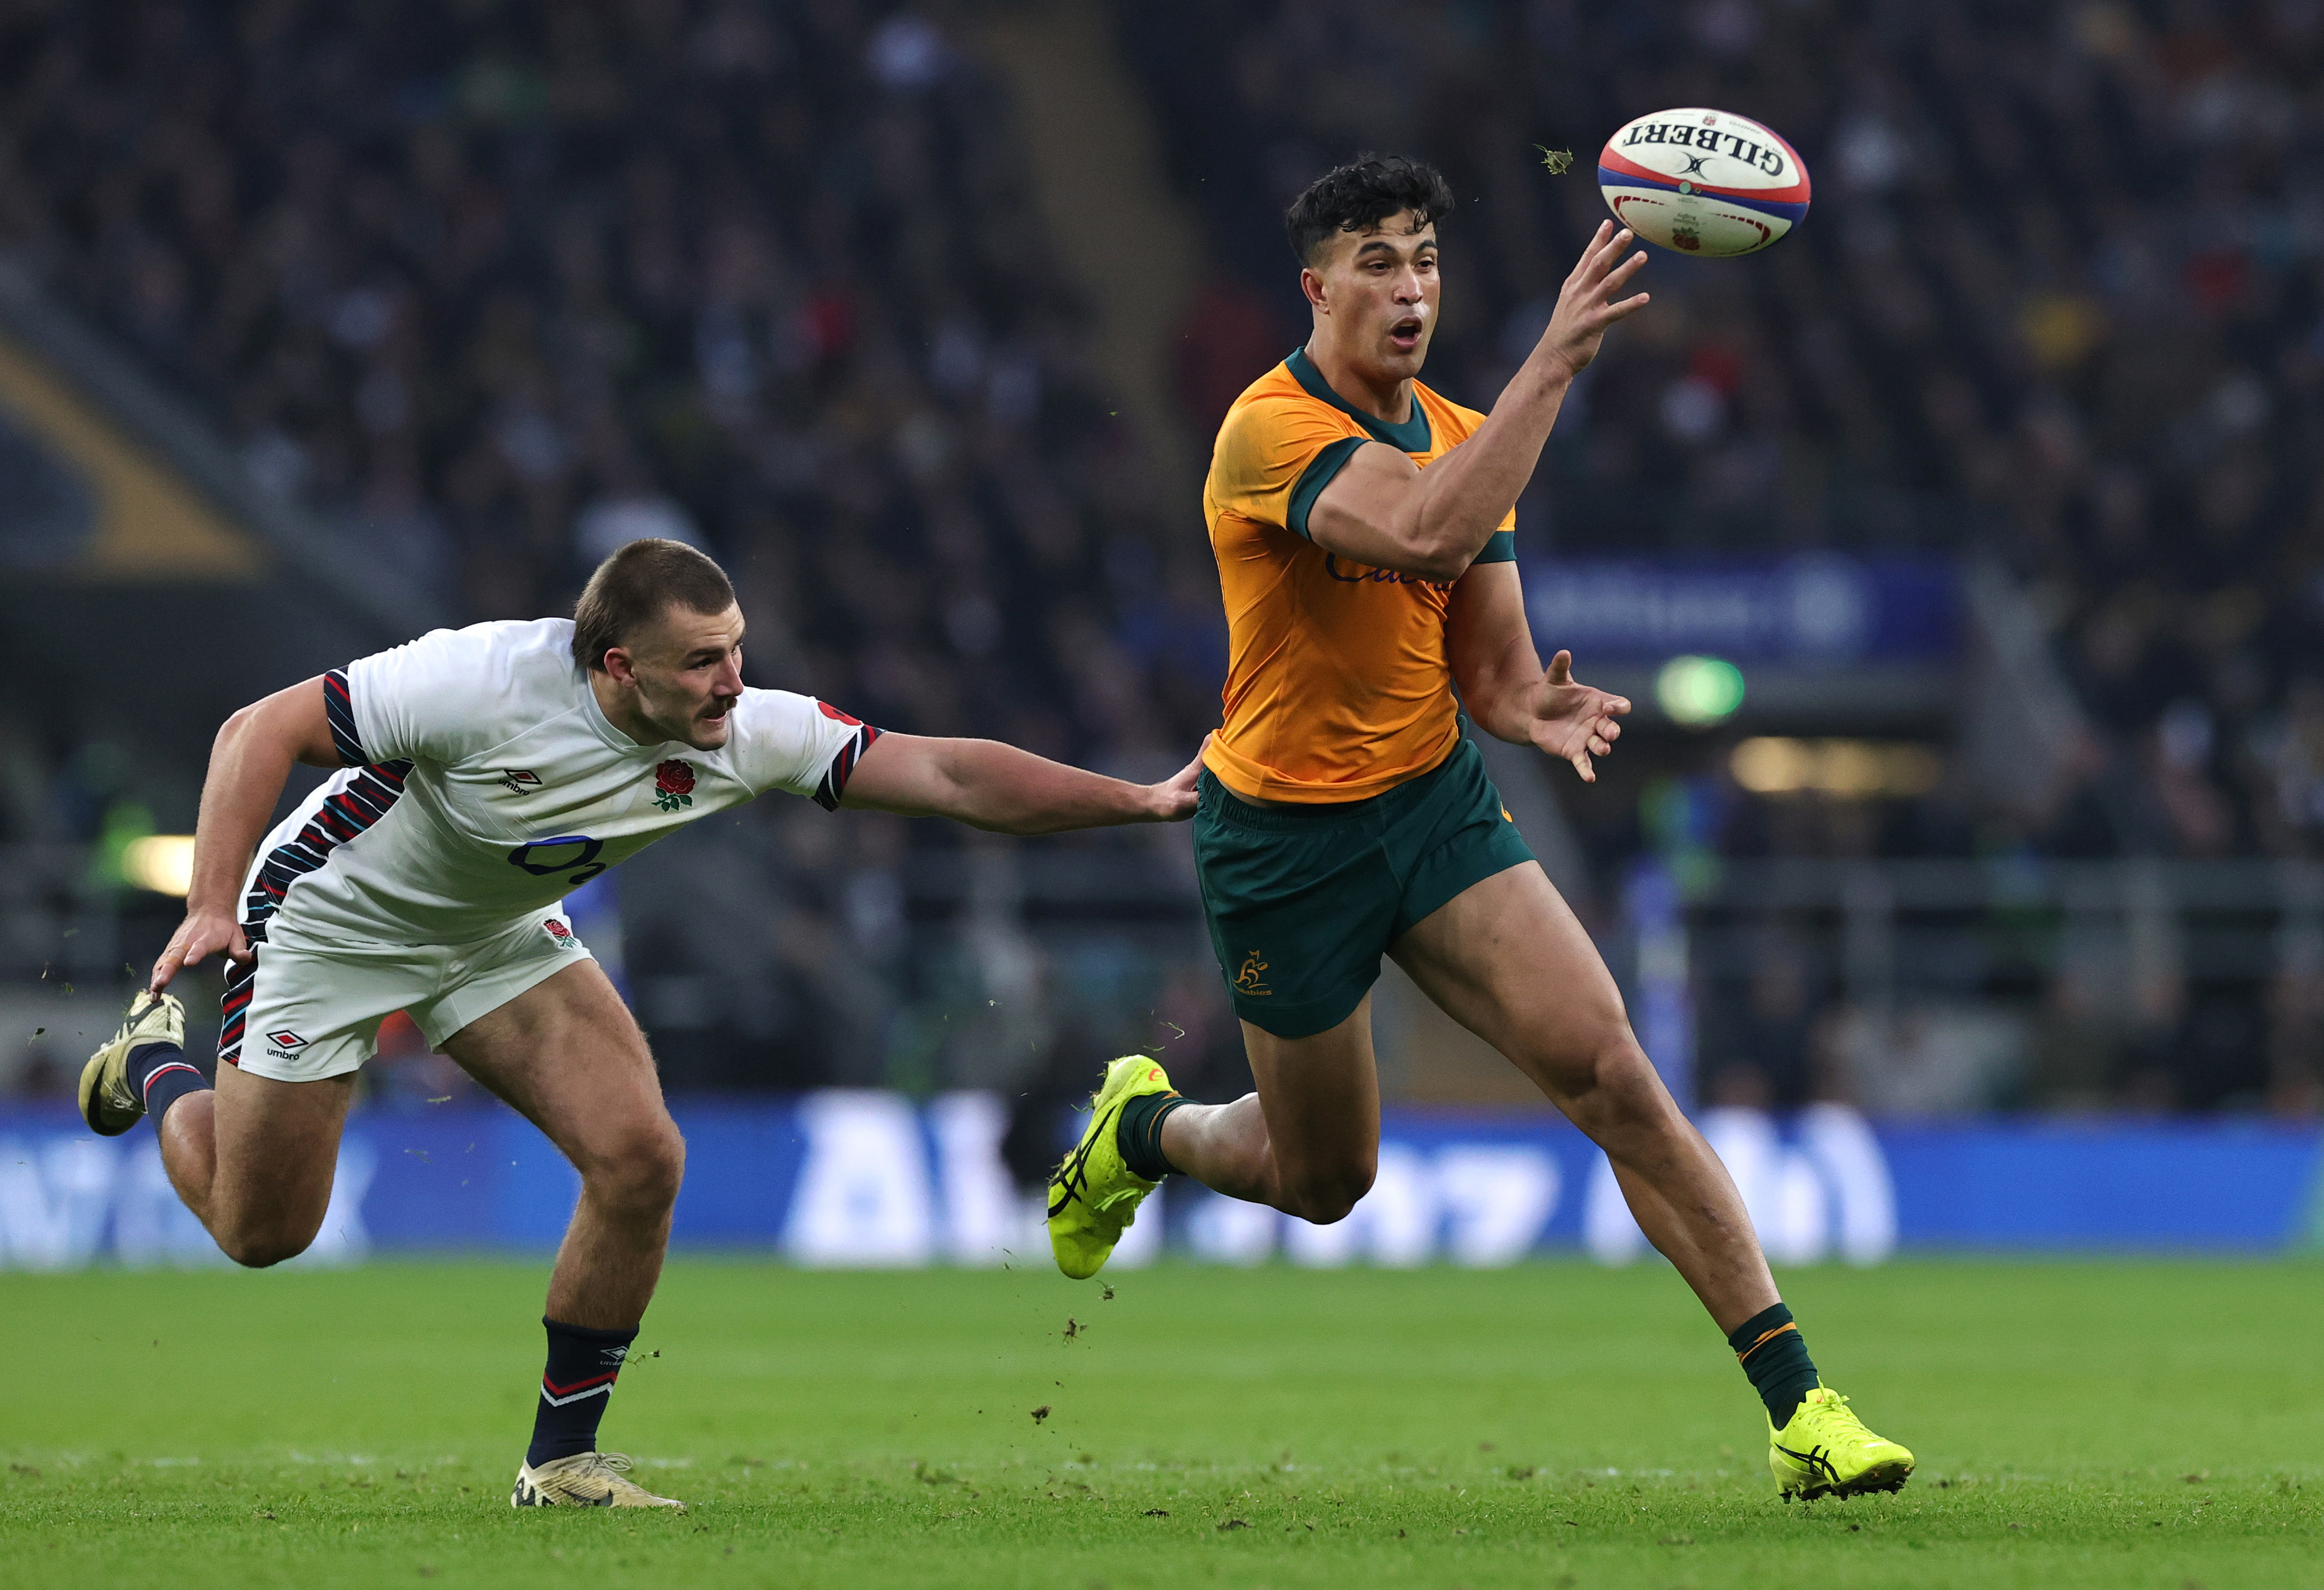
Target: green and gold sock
x,y
1768,1346
1139,1133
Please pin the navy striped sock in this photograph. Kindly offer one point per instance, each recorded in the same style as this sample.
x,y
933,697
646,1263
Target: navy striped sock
x,y
161,1075
582,1364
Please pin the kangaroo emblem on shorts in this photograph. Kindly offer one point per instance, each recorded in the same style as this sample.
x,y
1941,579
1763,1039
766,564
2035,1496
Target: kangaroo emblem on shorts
x,y
1247,980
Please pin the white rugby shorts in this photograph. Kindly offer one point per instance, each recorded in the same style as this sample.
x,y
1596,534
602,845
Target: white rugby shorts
x,y
299,1012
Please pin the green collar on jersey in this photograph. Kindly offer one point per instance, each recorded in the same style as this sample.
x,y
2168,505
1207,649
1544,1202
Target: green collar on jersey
x,y
1412,435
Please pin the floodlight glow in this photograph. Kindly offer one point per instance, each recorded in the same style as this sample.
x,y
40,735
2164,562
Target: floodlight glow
x,y
1850,770
162,862
1699,691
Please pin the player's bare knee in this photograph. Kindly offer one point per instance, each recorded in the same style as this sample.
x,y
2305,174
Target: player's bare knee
x,y
1329,1199
262,1247
259,1227
663,1167
1605,1066
639,1169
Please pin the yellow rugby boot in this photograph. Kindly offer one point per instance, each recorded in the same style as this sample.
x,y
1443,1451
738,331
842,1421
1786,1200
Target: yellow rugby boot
x,y
107,1103
1094,1197
1826,1451
586,1479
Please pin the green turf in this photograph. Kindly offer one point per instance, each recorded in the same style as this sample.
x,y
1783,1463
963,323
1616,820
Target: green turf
x,y
2117,1424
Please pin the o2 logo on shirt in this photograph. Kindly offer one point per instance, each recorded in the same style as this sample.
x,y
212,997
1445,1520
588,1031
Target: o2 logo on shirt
x,y
575,855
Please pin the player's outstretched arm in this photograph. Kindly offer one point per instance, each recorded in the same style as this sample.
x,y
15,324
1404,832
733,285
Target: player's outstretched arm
x,y
988,785
1504,685
249,762
1384,510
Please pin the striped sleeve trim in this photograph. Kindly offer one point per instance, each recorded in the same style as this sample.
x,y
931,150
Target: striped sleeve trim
x,y
340,709
843,766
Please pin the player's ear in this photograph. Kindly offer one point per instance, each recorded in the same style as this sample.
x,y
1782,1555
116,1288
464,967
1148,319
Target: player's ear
x,y
1311,282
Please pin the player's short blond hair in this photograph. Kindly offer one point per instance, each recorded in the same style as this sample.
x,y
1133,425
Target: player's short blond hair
x,y
635,586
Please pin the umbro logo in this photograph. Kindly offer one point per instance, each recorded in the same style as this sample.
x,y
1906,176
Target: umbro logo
x,y
519,780
286,1038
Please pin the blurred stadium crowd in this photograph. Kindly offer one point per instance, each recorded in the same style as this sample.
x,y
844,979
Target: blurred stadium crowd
x,y
2057,298
502,285
2057,301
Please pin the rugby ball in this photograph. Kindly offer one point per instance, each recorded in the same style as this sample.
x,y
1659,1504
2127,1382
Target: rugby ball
x,y
1704,182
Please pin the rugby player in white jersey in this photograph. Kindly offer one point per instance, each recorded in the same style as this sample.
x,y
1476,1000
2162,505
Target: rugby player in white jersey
x,y
485,771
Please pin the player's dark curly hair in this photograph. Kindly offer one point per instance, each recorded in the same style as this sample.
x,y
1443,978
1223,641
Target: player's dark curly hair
x,y
635,586
1359,195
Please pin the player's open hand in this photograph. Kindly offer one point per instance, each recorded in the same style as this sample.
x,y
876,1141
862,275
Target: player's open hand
x,y
1586,304
1574,720
1174,799
201,934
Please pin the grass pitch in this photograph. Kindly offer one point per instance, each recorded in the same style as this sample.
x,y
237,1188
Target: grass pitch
x,y
2117,1425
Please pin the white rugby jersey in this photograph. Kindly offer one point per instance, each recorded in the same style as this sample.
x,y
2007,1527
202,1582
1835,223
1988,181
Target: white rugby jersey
x,y
484,781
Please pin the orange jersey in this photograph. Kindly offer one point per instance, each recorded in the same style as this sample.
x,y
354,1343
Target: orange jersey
x,y
1338,682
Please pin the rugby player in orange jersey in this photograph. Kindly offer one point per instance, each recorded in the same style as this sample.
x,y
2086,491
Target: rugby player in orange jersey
x,y
1363,530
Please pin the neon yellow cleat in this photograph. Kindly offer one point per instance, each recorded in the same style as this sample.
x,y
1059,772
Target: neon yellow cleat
x,y
587,1479
1094,1197
107,1103
1826,1451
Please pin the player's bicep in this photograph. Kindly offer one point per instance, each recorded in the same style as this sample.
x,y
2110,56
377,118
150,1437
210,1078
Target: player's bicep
x,y
1365,510
908,775
299,719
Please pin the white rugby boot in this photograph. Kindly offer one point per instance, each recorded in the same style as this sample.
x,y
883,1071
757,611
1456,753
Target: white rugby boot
x,y
107,1103
586,1479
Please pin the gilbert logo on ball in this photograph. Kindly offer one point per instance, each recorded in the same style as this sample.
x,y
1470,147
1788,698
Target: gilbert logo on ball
x,y
1704,181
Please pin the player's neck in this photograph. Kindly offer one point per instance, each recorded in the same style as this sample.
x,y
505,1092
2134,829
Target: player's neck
x,y
1386,398
621,709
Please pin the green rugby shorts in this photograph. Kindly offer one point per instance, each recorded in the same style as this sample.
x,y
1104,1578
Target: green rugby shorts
x,y
1303,900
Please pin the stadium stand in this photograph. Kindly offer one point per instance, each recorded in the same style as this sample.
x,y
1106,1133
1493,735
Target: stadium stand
x,y
503,286
487,288
497,288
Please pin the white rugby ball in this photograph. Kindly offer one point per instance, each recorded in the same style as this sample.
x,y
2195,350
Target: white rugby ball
x,y
1703,182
